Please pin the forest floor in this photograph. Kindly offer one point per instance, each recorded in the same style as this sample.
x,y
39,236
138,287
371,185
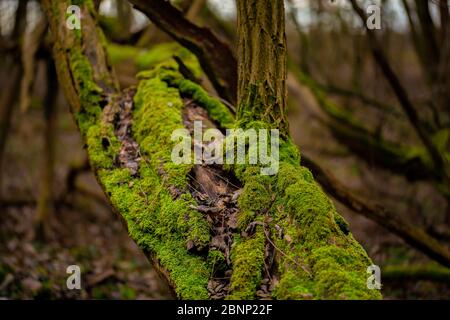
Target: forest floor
x,y
87,233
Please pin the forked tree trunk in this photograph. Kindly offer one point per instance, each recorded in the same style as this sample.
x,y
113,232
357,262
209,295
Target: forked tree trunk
x,y
213,232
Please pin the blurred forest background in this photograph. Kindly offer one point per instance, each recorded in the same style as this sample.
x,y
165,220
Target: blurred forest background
x,y
368,109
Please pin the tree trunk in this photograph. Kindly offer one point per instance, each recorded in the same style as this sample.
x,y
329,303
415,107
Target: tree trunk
x,y
262,63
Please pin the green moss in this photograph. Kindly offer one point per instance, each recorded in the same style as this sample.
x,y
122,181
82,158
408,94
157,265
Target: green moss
x,y
248,260
216,260
216,110
160,222
255,198
160,54
87,89
255,194
102,145
157,115
151,216
318,257
166,224
317,239
121,53
292,287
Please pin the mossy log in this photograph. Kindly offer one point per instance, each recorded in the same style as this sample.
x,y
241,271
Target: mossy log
x,y
288,241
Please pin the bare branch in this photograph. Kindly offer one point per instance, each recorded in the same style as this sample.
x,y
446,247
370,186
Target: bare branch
x,y
400,91
215,57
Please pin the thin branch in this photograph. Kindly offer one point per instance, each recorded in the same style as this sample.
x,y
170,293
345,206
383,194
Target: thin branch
x,y
368,101
366,144
399,90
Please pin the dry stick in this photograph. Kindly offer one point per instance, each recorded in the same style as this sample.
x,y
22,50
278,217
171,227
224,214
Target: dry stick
x,y
411,234
398,89
214,55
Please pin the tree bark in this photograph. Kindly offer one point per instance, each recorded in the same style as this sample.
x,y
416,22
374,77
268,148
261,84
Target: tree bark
x,y
262,63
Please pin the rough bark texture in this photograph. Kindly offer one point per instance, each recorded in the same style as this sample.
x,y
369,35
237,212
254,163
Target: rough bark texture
x,y
262,63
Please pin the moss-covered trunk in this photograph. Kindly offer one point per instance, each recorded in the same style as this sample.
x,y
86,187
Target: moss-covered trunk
x,y
313,254
262,62
273,236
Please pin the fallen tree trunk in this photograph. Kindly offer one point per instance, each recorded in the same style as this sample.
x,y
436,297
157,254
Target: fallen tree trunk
x,y
280,237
